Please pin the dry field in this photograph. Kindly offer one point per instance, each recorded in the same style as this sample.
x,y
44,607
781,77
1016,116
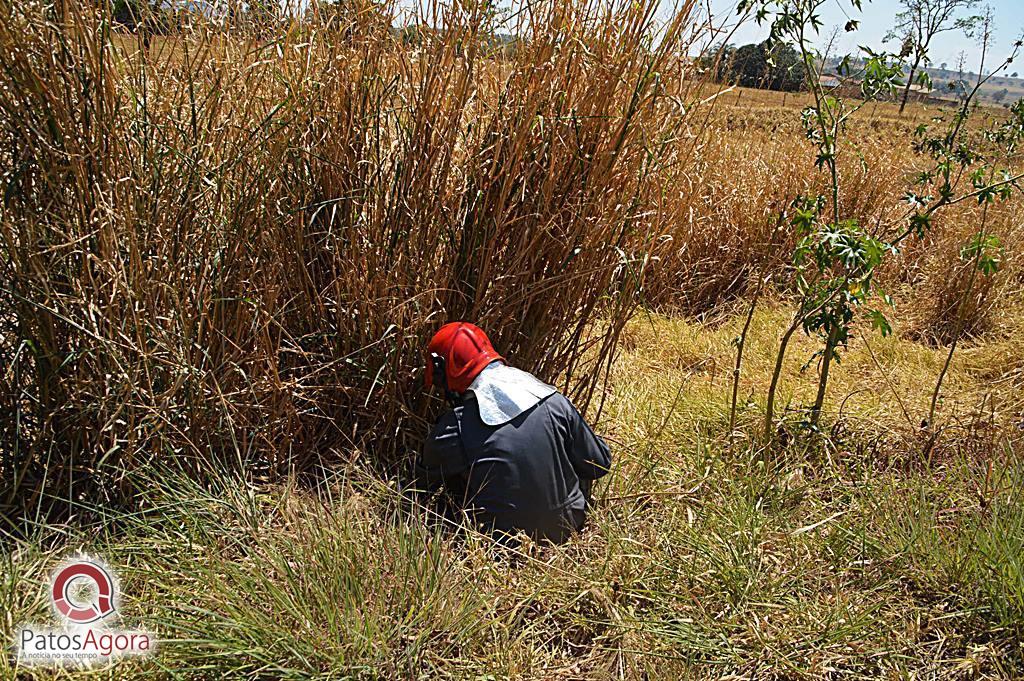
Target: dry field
x,y
853,558
220,257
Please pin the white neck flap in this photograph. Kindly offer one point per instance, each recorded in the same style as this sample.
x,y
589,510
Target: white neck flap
x,y
504,392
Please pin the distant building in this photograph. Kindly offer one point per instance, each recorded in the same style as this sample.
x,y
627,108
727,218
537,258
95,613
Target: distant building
x,y
927,95
851,88
842,87
829,81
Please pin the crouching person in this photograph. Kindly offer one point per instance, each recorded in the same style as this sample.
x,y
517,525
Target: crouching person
x,y
511,451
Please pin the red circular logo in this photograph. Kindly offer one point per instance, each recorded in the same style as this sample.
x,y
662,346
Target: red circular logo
x,y
72,607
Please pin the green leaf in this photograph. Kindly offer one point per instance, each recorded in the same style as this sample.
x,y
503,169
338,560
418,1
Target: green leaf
x,y
880,323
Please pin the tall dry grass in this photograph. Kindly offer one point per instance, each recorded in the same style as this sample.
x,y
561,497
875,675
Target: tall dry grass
x,y
230,242
949,302
728,222
232,246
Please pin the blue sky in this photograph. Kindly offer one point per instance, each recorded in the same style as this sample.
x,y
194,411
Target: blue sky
x,y
877,19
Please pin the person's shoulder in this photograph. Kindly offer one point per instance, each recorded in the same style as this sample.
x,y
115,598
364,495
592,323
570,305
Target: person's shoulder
x,y
558,403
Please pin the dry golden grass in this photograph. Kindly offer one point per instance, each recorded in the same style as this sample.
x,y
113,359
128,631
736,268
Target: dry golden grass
x,y
851,559
232,247
220,256
750,162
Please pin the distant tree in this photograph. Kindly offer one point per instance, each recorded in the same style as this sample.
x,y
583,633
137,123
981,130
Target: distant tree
x,y
1001,95
787,69
134,14
943,66
919,22
125,12
717,61
750,66
1013,75
757,66
958,87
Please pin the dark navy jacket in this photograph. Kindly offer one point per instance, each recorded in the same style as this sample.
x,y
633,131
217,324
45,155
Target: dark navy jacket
x,y
531,474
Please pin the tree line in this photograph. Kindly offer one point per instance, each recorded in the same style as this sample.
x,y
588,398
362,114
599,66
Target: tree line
x,y
757,65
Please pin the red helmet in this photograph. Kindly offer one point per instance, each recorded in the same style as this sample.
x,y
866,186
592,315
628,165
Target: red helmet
x,y
466,351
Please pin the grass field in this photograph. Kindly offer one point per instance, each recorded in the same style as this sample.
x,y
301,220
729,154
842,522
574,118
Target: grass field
x,y
221,256
850,556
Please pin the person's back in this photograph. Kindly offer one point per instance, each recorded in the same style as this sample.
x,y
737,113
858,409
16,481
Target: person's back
x,y
514,453
532,473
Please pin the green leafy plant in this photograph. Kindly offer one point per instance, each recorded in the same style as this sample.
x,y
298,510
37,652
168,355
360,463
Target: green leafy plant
x,y
983,163
836,256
